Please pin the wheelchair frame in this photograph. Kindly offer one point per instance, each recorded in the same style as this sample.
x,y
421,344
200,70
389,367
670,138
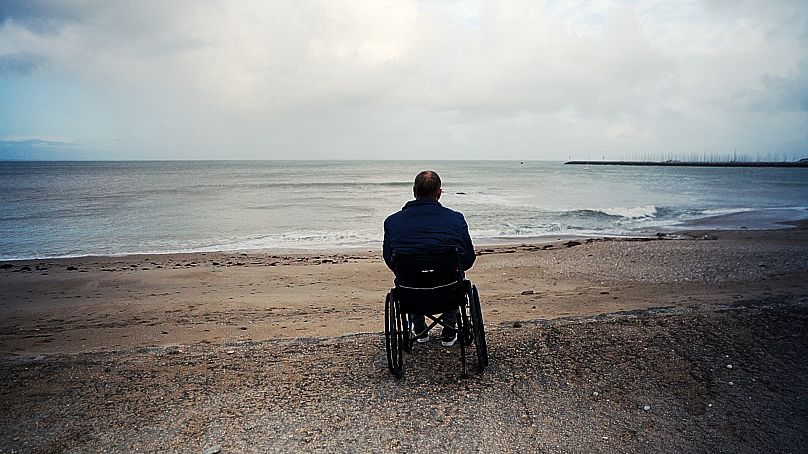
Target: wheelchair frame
x,y
470,329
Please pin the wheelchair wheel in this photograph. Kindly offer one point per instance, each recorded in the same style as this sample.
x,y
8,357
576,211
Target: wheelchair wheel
x,y
478,330
463,327
393,335
407,339
466,335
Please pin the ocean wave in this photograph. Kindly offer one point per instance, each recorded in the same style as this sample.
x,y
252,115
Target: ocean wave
x,y
647,211
284,185
612,214
297,240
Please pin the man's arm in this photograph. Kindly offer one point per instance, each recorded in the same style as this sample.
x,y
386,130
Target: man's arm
x,y
468,248
387,251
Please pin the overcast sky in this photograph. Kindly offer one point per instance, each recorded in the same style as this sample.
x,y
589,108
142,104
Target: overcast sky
x,y
393,79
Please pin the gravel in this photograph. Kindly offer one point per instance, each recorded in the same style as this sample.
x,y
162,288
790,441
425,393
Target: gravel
x,y
644,381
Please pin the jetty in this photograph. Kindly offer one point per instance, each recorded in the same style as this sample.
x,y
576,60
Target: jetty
x,y
673,163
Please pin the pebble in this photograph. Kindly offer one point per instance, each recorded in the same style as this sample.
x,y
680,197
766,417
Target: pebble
x,y
212,450
595,394
729,366
646,408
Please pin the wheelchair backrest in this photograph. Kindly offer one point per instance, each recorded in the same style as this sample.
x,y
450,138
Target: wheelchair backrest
x,y
428,270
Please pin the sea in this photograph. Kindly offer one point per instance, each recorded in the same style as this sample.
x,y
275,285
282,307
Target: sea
x,y
68,209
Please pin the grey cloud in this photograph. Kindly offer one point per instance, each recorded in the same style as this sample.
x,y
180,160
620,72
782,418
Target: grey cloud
x,y
35,148
42,16
21,63
787,93
34,142
183,76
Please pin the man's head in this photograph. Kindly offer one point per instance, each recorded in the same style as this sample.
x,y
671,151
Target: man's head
x,y
427,185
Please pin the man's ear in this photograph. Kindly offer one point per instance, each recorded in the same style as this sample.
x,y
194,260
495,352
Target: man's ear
x,y
438,193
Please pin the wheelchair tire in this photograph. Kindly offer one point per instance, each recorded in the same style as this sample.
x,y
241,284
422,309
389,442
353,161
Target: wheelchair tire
x,y
407,339
466,334
393,335
478,329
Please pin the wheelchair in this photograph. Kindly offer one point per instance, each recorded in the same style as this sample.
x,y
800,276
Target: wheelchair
x,y
432,285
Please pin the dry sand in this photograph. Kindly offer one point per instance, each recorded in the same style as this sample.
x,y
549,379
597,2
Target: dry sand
x,y
186,351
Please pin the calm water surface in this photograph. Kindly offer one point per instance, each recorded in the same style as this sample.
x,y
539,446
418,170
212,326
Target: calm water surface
x,y
51,209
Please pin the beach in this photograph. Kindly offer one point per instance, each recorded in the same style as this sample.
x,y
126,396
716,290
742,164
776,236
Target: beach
x,y
255,351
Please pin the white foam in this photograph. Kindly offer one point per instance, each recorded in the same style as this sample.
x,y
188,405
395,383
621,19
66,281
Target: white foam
x,y
647,211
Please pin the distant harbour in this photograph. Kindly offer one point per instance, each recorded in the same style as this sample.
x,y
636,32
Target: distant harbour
x,y
800,163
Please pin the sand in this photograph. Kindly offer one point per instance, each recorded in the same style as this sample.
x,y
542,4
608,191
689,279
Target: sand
x,y
265,352
109,303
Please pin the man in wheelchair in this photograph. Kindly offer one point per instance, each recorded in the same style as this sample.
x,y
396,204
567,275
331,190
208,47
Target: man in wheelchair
x,y
423,227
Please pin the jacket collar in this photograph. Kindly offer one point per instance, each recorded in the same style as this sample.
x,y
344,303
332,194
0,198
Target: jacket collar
x,y
421,202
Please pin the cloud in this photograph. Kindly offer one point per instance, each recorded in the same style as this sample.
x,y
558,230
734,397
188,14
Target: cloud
x,y
789,93
42,16
37,148
22,64
362,78
35,142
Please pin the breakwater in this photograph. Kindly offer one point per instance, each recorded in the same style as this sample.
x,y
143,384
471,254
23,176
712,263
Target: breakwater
x,y
801,163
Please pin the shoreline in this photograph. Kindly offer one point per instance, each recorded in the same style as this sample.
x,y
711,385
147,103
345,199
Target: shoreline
x,y
759,220
745,219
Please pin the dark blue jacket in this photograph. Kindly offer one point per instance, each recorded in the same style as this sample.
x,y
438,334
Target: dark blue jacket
x,y
424,225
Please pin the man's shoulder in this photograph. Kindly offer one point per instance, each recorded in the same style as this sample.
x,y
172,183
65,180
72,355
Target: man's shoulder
x,y
452,213
417,209
393,216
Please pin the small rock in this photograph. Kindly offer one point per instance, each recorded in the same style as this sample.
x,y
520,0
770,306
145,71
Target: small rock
x,y
5,266
527,292
646,408
729,366
517,325
596,394
230,352
731,384
71,268
215,449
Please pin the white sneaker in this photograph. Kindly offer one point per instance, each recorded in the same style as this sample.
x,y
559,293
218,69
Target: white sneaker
x,y
447,341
